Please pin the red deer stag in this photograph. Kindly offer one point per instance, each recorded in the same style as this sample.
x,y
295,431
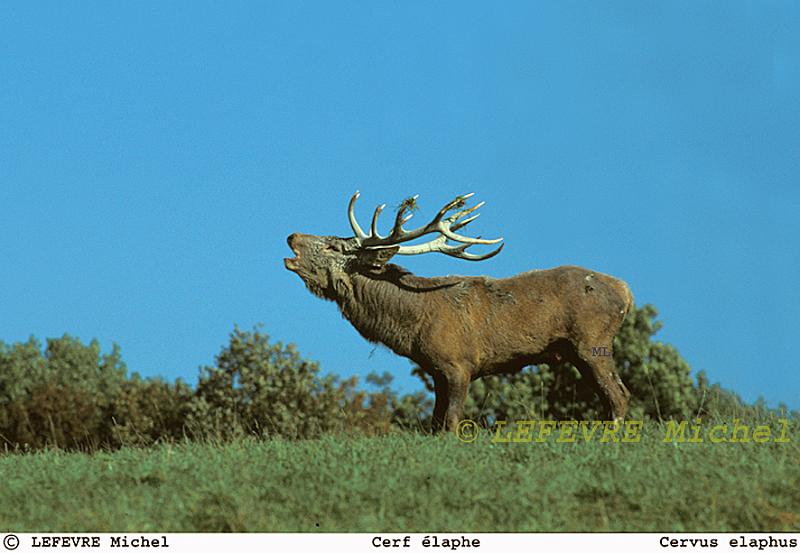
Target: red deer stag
x,y
459,328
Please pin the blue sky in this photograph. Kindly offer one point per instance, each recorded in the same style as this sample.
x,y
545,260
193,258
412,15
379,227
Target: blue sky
x,y
153,159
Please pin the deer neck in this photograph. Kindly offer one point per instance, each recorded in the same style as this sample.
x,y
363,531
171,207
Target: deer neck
x,y
385,310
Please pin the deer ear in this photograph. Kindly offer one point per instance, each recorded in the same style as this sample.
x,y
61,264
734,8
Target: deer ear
x,y
378,257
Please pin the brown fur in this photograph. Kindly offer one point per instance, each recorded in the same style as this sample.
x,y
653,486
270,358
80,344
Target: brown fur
x,y
460,328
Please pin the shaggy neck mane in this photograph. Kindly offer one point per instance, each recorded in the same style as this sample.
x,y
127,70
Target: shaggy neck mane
x,y
390,306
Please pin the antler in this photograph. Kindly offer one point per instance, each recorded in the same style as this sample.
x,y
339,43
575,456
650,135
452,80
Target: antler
x,y
445,227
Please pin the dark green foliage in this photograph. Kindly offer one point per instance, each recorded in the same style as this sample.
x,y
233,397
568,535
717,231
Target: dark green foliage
x,y
408,411
265,389
147,411
268,390
72,396
655,373
61,397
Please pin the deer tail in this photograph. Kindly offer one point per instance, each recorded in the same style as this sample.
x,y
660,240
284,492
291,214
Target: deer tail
x,y
628,298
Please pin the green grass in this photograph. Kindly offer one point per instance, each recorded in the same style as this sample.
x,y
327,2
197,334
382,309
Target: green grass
x,y
407,483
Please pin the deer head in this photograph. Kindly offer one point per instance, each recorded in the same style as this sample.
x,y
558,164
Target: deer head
x,y
325,263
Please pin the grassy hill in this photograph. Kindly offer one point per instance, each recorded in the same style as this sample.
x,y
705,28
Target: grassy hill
x,y
408,482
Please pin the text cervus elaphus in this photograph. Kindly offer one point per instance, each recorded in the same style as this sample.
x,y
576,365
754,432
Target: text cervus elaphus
x,y
459,328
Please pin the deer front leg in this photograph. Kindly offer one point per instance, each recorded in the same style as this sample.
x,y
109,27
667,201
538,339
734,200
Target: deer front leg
x,y
458,385
442,401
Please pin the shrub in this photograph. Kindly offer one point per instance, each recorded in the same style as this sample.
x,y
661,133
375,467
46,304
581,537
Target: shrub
x,y
61,397
72,396
267,389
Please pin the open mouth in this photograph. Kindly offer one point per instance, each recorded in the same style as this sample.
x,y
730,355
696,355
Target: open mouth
x,y
291,262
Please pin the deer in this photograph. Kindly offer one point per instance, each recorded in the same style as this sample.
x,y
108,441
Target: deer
x,y
460,328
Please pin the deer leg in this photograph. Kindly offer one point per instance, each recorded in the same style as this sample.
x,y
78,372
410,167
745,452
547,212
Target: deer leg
x,y
602,375
442,401
458,385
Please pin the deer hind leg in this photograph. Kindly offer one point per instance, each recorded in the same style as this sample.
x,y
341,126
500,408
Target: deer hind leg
x,y
602,375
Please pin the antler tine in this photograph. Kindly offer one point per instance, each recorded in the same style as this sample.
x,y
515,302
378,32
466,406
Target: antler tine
x,y
374,226
398,234
440,245
360,234
466,239
473,257
445,227
448,228
465,222
457,202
